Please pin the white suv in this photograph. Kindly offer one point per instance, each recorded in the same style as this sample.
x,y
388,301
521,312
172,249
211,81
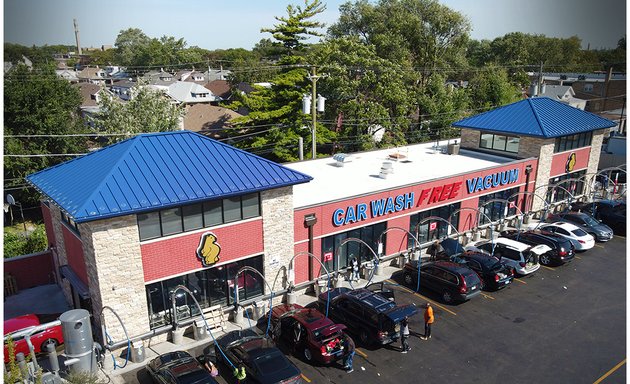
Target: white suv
x,y
522,257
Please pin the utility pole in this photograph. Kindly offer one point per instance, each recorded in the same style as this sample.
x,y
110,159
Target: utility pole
x,y
313,77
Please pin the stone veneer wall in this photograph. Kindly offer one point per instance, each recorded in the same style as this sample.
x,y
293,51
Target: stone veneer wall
x,y
470,138
543,150
116,279
60,249
277,209
596,149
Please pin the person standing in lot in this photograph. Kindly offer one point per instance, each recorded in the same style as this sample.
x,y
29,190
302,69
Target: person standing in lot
x,y
404,335
428,321
348,345
434,250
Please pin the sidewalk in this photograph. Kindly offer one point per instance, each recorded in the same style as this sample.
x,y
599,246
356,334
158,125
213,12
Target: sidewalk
x,y
131,373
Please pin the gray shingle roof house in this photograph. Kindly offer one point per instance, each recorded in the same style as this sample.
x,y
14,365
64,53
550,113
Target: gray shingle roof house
x,y
190,93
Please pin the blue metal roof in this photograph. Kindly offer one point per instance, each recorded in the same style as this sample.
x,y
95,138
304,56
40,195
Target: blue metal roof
x,y
539,117
155,171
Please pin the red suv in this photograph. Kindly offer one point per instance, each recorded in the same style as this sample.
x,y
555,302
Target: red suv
x,y
51,335
307,332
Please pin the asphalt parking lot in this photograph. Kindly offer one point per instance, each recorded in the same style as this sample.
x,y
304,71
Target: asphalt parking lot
x,y
560,325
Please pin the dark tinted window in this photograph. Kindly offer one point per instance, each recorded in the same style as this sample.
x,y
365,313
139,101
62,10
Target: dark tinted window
x,y
511,254
561,231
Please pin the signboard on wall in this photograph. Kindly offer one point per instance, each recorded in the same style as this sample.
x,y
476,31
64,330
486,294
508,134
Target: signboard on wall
x,y
435,194
208,250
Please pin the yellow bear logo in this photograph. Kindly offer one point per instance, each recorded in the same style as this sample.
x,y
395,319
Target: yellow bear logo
x,y
571,160
209,250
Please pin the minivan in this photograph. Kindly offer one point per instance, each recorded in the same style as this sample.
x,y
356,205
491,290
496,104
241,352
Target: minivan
x,y
453,281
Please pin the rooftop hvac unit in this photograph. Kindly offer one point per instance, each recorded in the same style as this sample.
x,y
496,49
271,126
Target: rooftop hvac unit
x,y
386,169
453,149
341,159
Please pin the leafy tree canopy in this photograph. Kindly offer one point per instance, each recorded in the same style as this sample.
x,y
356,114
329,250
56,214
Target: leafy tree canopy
x,y
37,102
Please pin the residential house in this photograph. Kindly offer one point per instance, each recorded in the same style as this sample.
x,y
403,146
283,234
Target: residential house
x,y
191,76
68,75
562,93
190,93
122,89
91,94
159,80
209,120
217,74
220,88
92,75
602,91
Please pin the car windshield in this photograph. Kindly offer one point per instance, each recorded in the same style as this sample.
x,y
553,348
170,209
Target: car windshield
x,y
270,363
589,220
579,233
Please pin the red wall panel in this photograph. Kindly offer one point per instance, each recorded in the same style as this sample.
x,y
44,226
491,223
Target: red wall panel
x,y
74,252
31,271
50,233
177,255
559,161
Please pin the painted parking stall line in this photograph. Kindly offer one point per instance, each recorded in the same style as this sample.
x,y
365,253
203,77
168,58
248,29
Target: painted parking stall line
x,y
422,297
549,268
487,296
306,378
360,352
520,281
613,369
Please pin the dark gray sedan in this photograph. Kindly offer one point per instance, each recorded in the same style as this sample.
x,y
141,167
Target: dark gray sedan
x,y
601,232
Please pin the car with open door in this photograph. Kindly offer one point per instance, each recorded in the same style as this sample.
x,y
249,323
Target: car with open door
x,y
493,273
522,257
264,363
368,314
562,250
307,333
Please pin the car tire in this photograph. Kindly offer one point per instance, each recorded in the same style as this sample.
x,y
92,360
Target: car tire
x,y
545,259
408,279
364,337
54,342
447,297
308,355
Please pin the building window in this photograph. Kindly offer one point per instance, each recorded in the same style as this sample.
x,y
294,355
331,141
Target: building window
x,y
212,286
330,244
567,143
588,87
423,232
191,217
495,210
70,222
576,188
499,142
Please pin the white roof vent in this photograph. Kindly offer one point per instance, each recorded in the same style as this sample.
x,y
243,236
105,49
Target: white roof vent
x,y
341,159
386,169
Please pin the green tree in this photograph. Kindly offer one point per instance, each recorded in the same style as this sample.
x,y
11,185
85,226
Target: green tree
x,y
275,121
490,88
38,103
130,45
423,33
146,111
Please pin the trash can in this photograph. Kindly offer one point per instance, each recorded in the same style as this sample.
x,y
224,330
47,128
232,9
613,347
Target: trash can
x,y
259,310
292,296
367,270
199,330
137,352
178,336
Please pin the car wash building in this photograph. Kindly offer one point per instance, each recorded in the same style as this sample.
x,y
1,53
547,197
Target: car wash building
x,y
134,220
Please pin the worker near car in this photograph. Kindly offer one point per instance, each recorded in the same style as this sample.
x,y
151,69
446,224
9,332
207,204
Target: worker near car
x,y
434,250
428,321
240,374
348,346
404,335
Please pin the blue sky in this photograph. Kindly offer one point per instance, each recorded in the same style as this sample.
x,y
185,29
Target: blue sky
x,y
220,24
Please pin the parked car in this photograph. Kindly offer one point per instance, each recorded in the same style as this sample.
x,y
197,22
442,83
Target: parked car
x,y
453,281
493,273
581,240
562,251
178,367
264,363
601,232
610,212
307,332
522,257
52,335
371,315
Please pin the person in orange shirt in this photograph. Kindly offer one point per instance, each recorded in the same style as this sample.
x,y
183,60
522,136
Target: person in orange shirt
x,y
428,321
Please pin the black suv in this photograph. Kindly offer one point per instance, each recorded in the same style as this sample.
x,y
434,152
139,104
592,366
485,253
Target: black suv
x,y
494,274
455,282
373,317
610,212
562,251
178,367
